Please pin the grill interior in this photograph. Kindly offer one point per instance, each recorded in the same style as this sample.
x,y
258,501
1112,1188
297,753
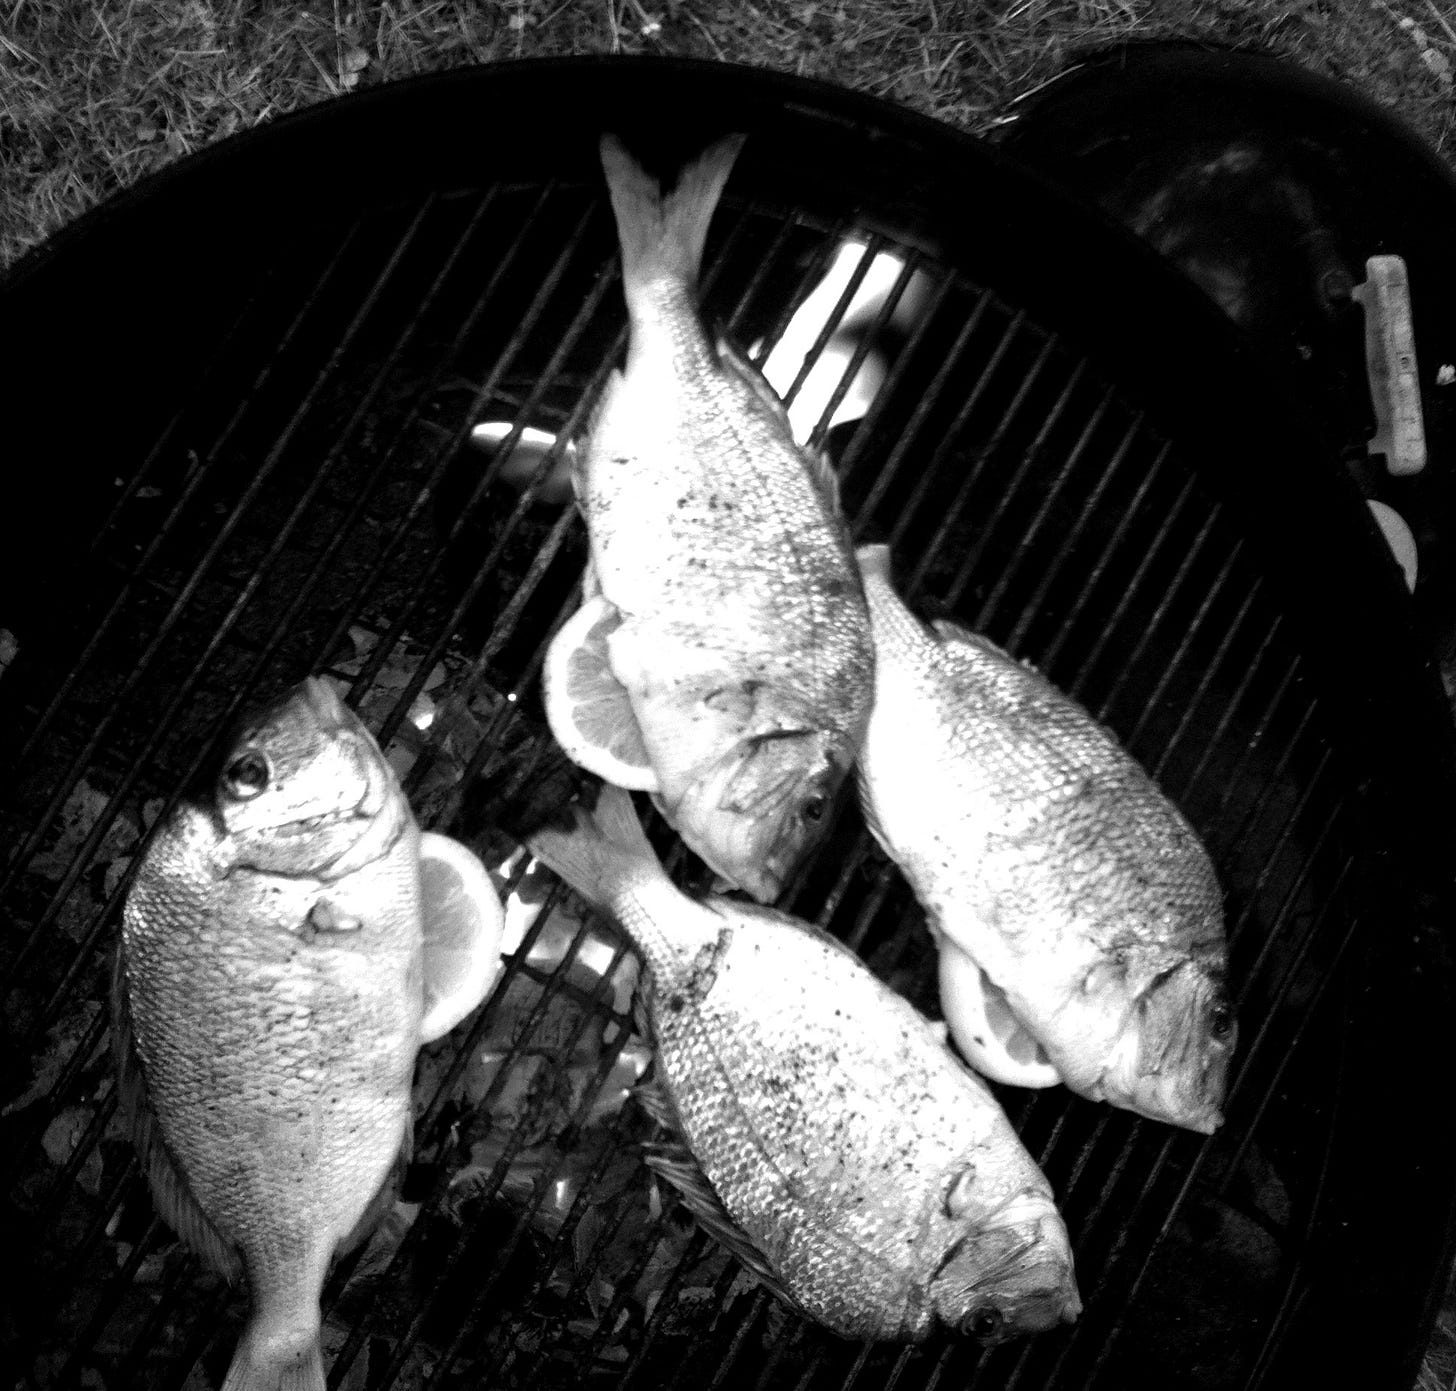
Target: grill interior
x,y
302,496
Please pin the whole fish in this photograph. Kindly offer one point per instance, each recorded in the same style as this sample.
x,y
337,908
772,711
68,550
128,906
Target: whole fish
x,y
743,648
1043,852
823,1132
267,1010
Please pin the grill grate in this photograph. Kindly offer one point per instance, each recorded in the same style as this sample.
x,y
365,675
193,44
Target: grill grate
x,y
312,502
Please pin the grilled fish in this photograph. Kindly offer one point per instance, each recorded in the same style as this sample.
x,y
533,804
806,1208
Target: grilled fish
x,y
821,1130
1043,852
742,646
267,1009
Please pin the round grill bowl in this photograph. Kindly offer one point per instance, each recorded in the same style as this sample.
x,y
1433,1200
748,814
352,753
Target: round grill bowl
x,y
243,393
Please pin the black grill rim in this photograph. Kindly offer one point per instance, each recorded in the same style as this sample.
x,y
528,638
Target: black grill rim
x,y
1100,288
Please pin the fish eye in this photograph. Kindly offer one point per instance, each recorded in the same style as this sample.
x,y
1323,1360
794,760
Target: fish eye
x,y
813,810
1221,1021
984,1324
247,775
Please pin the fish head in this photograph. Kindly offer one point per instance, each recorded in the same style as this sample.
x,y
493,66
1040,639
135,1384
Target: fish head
x,y
1170,1061
304,789
1008,1269
754,813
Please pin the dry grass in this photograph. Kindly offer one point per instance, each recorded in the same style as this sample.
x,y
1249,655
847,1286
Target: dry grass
x,y
96,93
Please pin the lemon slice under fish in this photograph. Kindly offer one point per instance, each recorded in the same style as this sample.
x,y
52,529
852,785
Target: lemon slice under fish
x,y
463,920
984,1028
586,705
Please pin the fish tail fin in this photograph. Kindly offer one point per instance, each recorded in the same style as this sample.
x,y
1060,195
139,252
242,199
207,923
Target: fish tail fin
x,y
662,235
268,1359
604,851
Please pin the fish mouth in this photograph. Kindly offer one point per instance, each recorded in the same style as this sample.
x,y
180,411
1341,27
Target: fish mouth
x,y
1171,1061
755,813
1011,1275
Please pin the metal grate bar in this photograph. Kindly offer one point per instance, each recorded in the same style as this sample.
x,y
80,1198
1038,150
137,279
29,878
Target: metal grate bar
x,y
889,469
1032,455
1295,1292
863,347
1196,697
783,230
1129,1218
982,455
243,597
1212,593
1118,1322
1051,495
225,343
193,484
491,1185
1128,661
1263,656
858,449
1113,546
831,322
1272,782
1262,1034
240,697
148,655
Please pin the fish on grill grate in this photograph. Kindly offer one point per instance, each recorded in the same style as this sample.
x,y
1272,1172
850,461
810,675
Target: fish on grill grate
x,y
739,643
268,1004
821,1129
1045,854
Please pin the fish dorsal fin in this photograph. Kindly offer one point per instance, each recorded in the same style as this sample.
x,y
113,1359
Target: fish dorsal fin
x,y
171,1195
753,379
816,463
954,632
673,1162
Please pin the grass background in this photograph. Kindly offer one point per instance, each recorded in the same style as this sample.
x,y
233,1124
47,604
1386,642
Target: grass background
x,y
95,94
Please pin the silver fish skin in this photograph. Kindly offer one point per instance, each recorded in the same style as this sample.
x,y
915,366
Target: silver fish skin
x,y
824,1132
744,646
1045,853
266,1015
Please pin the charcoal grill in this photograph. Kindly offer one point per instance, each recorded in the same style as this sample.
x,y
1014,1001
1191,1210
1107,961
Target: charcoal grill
x,y
240,406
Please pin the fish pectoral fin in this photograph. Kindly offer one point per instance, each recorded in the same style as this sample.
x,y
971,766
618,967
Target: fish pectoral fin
x,y
327,916
674,1163
652,1098
171,1195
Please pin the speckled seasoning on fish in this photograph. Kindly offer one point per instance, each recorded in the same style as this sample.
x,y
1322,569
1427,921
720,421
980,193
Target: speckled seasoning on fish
x,y
821,1129
741,645
1045,854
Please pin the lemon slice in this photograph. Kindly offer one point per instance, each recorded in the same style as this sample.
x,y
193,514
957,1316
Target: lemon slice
x,y
587,707
463,920
984,1028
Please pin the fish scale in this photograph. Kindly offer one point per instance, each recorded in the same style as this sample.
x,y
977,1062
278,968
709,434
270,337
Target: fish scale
x,y
265,1062
743,650
1045,854
820,1125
